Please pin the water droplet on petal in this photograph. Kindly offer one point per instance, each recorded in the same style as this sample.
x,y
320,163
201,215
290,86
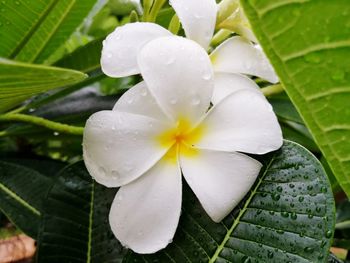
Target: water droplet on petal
x,y
196,100
173,101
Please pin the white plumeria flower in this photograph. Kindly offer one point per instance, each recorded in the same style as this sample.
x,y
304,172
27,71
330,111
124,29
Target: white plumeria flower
x,y
233,57
163,127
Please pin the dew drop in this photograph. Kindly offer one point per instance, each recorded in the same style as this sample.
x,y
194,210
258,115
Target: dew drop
x,y
309,249
207,75
276,197
109,55
329,234
102,171
270,254
195,101
170,61
115,174
173,101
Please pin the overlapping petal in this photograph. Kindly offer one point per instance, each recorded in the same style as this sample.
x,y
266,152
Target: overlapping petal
x,y
119,147
120,49
228,83
145,213
238,55
179,75
198,18
219,179
245,122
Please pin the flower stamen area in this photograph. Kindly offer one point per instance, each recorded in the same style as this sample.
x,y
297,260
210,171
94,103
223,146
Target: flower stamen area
x,y
180,139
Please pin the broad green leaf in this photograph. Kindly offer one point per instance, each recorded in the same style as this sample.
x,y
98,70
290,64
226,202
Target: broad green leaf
x,y
75,224
31,31
288,216
22,190
307,41
20,81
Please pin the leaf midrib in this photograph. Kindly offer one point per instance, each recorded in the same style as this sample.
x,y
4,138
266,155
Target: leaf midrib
x,y
27,37
241,213
91,214
34,59
19,199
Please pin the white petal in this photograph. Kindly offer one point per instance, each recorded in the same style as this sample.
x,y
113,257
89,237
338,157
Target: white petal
x,y
145,213
139,100
219,179
238,55
245,122
228,83
119,147
121,47
178,72
198,18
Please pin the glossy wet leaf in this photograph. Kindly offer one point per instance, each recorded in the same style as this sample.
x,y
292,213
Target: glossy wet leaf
x,y
288,216
32,31
307,43
75,224
19,81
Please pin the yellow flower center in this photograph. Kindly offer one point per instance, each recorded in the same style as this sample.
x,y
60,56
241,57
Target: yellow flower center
x,y
181,139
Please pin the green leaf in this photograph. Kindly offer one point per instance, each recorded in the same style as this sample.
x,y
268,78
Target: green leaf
x,y
307,43
22,191
75,224
33,30
288,216
20,81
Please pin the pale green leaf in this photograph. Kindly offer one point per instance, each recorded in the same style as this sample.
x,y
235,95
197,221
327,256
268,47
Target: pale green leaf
x,y
308,43
19,81
32,30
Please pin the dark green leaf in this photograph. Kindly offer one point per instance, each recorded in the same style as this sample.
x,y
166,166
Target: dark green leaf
x,y
22,191
288,216
307,41
32,31
75,224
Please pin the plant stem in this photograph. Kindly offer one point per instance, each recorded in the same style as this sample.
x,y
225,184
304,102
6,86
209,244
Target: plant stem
x,y
272,90
55,126
158,4
220,36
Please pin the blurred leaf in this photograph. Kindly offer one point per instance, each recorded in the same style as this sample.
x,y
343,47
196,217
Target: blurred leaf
x,y
288,216
124,7
285,109
103,23
34,29
19,81
22,191
307,43
85,59
75,224
334,182
343,216
298,133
